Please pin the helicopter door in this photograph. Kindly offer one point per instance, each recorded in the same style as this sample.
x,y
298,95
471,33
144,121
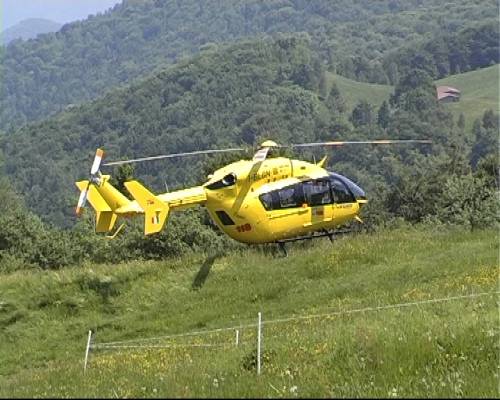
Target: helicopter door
x,y
343,199
318,197
286,213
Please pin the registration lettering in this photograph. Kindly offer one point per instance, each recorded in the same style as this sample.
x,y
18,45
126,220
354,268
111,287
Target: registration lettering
x,y
343,205
258,176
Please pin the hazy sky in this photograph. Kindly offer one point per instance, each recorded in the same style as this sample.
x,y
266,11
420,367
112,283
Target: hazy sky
x,y
62,11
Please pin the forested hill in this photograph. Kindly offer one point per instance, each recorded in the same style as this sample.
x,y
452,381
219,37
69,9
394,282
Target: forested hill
x,y
86,58
28,29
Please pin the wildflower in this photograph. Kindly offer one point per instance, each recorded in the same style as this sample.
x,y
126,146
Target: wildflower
x,y
293,389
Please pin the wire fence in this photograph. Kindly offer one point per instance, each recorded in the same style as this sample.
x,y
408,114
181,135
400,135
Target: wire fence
x,y
146,343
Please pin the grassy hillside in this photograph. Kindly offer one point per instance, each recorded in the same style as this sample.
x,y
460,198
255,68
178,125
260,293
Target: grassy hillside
x,y
479,92
433,350
354,91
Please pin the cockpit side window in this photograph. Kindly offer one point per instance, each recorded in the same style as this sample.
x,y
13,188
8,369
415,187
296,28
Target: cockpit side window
x,y
267,201
312,192
287,197
317,192
341,194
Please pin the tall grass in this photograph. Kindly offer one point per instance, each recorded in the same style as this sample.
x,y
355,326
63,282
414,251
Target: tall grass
x,y
447,349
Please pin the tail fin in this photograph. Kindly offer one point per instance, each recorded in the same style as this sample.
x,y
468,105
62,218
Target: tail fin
x,y
105,199
156,211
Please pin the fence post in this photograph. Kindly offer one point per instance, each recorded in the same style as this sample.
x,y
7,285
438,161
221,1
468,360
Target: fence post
x,y
259,342
237,337
87,351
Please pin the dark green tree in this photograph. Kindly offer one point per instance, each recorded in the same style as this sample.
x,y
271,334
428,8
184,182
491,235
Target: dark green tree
x,y
468,200
124,173
461,122
490,120
335,102
415,93
485,133
362,114
383,115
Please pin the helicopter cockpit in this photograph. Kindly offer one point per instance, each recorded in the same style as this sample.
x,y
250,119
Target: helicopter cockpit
x,y
334,189
357,192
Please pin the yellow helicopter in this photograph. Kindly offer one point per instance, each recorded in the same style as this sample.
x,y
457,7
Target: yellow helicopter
x,y
263,200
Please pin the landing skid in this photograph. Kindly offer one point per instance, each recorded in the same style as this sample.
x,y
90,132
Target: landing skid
x,y
330,234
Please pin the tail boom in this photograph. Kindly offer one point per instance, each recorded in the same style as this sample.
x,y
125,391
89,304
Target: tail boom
x,y
109,204
157,208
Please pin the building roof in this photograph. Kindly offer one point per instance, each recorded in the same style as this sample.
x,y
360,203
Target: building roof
x,y
447,91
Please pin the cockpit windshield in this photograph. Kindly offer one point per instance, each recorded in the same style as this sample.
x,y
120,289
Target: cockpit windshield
x,y
358,193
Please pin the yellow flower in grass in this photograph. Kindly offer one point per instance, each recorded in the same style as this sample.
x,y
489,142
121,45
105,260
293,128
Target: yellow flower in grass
x,y
484,276
321,348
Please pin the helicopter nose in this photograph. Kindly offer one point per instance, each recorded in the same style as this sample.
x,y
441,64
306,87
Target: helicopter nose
x,y
357,192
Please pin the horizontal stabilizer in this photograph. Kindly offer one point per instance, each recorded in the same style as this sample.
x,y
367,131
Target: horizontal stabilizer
x,y
156,211
96,200
105,217
105,221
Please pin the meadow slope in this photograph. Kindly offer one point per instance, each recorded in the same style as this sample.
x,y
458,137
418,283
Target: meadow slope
x,y
445,349
479,92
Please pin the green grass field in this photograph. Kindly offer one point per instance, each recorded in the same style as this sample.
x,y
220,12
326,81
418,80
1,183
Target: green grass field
x,y
445,349
479,91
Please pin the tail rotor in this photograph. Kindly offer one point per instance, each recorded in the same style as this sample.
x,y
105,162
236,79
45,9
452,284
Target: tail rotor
x,y
94,178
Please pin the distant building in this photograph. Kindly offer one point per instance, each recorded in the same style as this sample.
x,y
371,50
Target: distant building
x,y
446,94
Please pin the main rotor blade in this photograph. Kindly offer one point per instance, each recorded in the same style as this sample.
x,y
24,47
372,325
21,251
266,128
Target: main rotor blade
x,y
192,153
341,143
